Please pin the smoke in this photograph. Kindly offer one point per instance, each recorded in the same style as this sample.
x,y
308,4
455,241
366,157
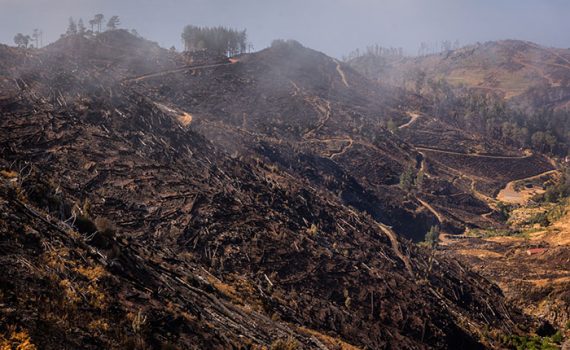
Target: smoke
x,y
332,26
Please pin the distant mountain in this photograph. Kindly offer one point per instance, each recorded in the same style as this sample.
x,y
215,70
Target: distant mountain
x,y
519,71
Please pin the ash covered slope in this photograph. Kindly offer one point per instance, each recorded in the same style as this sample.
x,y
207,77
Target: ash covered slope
x,y
123,227
320,120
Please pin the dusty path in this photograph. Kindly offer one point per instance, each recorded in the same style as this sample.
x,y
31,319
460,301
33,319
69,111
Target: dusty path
x,y
479,195
297,90
325,111
341,73
435,150
414,116
423,165
432,210
509,195
396,248
344,149
176,70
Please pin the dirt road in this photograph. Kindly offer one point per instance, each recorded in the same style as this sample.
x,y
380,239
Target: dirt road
x,y
176,70
414,116
432,210
344,148
341,73
325,112
510,195
435,150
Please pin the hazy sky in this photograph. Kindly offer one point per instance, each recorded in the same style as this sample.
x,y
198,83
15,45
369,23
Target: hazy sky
x,y
332,26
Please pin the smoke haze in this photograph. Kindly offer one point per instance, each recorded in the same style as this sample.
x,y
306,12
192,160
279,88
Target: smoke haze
x,y
332,26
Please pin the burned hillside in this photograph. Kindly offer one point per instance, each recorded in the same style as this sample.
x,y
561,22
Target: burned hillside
x,y
132,223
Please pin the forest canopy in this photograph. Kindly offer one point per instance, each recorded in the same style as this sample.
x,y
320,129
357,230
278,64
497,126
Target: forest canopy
x,y
219,40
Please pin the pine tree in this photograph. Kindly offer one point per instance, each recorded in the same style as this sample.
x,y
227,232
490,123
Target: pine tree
x,y
407,180
113,23
92,23
98,19
72,27
391,125
432,237
420,180
36,36
80,27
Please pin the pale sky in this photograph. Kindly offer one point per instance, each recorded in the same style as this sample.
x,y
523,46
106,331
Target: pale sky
x,y
332,26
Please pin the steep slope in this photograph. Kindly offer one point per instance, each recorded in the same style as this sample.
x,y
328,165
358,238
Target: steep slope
x,y
531,269
123,227
473,128
289,105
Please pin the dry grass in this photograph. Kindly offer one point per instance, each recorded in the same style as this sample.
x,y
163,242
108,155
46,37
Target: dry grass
x,y
544,282
185,119
559,232
480,253
285,344
329,341
8,174
16,340
93,274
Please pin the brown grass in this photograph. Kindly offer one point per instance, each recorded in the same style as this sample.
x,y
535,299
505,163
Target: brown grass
x,y
16,340
8,174
329,341
480,253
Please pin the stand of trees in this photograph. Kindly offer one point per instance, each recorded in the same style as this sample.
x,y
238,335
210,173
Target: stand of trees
x,y
220,40
397,52
26,41
544,130
95,23
375,51
437,47
22,40
410,181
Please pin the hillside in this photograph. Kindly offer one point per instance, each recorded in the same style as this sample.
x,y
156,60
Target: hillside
x,y
318,119
156,199
531,268
519,71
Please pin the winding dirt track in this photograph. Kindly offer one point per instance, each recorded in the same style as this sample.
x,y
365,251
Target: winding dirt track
x,y
341,73
325,112
432,210
176,70
344,149
414,116
435,150
509,195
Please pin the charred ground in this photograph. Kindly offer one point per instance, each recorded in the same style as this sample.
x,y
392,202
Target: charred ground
x,y
151,198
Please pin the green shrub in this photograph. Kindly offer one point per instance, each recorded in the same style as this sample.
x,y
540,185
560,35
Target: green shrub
x,y
432,237
539,218
526,342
